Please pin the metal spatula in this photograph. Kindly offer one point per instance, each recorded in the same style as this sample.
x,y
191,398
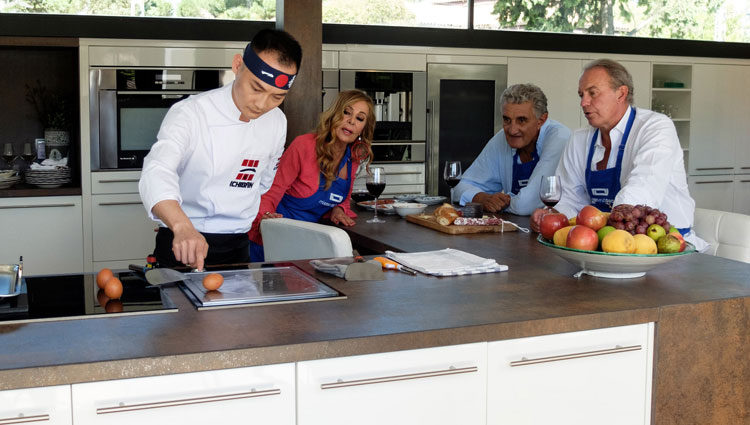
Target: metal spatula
x,y
161,276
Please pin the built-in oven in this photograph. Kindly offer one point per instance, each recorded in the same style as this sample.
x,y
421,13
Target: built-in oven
x,y
127,107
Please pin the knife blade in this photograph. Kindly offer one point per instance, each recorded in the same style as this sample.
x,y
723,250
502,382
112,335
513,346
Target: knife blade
x,y
161,276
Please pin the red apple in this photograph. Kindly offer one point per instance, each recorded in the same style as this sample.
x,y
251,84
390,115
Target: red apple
x,y
591,217
551,223
582,237
680,238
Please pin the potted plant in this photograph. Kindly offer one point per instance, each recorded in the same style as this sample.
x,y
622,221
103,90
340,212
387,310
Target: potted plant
x,y
54,113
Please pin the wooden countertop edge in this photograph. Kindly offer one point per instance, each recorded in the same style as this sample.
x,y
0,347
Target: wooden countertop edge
x,y
206,361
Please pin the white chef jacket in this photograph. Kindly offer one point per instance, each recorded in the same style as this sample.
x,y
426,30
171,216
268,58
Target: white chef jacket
x,y
492,170
653,172
216,166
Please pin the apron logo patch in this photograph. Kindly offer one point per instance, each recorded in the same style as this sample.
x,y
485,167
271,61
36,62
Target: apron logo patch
x,y
599,191
336,198
245,174
523,183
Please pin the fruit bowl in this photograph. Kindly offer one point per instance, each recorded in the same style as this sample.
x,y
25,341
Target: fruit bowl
x,y
611,265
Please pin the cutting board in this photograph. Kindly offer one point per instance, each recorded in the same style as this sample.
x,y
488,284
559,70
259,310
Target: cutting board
x,y
429,221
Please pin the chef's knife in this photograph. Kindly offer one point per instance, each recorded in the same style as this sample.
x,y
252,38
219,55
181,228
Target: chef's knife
x,y
160,276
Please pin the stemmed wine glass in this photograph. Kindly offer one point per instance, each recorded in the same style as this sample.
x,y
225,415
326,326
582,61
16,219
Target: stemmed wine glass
x,y
375,185
550,191
8,155
452,175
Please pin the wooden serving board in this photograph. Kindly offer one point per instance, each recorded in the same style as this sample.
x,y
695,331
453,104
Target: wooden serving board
x,y
428,220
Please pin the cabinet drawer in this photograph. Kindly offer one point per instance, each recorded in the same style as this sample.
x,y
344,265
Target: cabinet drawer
x,y
590,377
48,405
263,394
115,182
712,192
47,231
121,228
443,385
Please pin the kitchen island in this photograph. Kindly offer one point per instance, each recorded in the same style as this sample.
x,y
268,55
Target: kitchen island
x,y
700,305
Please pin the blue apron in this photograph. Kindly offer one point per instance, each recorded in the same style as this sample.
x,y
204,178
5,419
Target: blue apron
x,y
313,207
603,185
522,172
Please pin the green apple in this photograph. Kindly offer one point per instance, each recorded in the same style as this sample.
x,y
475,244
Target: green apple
x,y
673,229
604,231
655,232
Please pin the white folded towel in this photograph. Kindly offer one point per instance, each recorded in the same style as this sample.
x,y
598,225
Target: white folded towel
x,y
50,164
446,262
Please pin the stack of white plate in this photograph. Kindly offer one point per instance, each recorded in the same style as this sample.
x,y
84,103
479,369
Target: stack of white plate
x,y
48,178
8,178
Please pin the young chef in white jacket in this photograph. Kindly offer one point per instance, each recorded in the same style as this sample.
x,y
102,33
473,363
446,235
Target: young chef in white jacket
x,y
628,155
216,154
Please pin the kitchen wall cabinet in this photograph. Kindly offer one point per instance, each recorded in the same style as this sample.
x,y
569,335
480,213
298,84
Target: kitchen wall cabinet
x,y
263,394
589,377
50,405
400,178
720,134
122,232
444,385
713,192
47,231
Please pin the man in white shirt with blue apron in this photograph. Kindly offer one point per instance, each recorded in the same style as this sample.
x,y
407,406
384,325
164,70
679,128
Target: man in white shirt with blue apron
x,y
508,172
216,154
628,155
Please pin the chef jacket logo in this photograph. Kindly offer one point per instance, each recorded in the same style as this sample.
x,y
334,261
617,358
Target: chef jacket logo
x,y
245,175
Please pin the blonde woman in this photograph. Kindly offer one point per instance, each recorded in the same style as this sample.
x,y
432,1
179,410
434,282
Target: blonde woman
x,y
316,173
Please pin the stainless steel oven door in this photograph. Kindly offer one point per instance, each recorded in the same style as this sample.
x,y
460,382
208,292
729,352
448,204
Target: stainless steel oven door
x,y
398,152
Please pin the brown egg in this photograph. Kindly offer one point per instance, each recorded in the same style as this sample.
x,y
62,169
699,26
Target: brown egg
x,y
103,276
113,306
213,281
101,297
113,289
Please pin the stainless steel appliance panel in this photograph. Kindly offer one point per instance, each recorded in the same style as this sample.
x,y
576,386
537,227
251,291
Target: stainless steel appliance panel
x,y
464,112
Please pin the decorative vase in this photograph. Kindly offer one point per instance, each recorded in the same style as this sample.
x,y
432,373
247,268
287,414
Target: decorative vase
x,y
56,143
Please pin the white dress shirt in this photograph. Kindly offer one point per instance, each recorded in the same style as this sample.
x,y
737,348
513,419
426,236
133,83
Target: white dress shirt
x,y
492,171
213,164
653,172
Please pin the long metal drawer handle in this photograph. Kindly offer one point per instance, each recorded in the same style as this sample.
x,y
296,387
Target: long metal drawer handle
x,y
369,381
107,204
8,207
716,181
714,168
185,401
618,349
20,419
120,181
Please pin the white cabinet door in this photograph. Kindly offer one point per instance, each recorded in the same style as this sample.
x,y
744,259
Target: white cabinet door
x,y
712,192
719,115
593,377
558,79
399,178
445,385
121,228
641,73
742,194
47,231
262,395
115,182
48,405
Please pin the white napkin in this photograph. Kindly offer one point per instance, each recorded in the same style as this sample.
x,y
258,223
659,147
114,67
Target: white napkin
x,y
50,164
446,262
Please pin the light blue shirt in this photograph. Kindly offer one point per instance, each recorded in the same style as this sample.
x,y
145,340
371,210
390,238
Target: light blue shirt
x,y
492,171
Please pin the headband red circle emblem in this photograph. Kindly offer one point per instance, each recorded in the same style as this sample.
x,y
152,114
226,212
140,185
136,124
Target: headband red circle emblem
x,y
281,80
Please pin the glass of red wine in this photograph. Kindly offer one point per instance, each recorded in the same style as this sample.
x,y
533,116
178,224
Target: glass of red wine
x,y
452,175
550,191
375,185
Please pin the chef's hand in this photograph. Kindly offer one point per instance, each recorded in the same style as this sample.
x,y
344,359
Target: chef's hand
x,y
189,246
494,202
338,216
269,214
536,217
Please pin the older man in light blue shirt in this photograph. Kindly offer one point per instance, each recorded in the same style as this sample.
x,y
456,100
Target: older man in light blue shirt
x,y
507,174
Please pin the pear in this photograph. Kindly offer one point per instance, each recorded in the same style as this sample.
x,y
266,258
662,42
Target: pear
x,y
668,244
655,231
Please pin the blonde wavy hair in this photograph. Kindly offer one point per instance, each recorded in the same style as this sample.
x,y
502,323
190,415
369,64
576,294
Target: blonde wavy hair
x,y
325,137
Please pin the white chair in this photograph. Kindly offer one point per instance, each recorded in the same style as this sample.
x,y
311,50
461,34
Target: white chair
x,y
728,233
286,239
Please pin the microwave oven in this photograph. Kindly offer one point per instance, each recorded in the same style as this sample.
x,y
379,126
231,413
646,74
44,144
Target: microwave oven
x,y
127,107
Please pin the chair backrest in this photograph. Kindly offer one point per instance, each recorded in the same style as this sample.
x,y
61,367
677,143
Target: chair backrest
x,y
728,233
286,239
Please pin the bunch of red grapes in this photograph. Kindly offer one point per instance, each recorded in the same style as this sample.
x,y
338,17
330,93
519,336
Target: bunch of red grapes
x,y
636,219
